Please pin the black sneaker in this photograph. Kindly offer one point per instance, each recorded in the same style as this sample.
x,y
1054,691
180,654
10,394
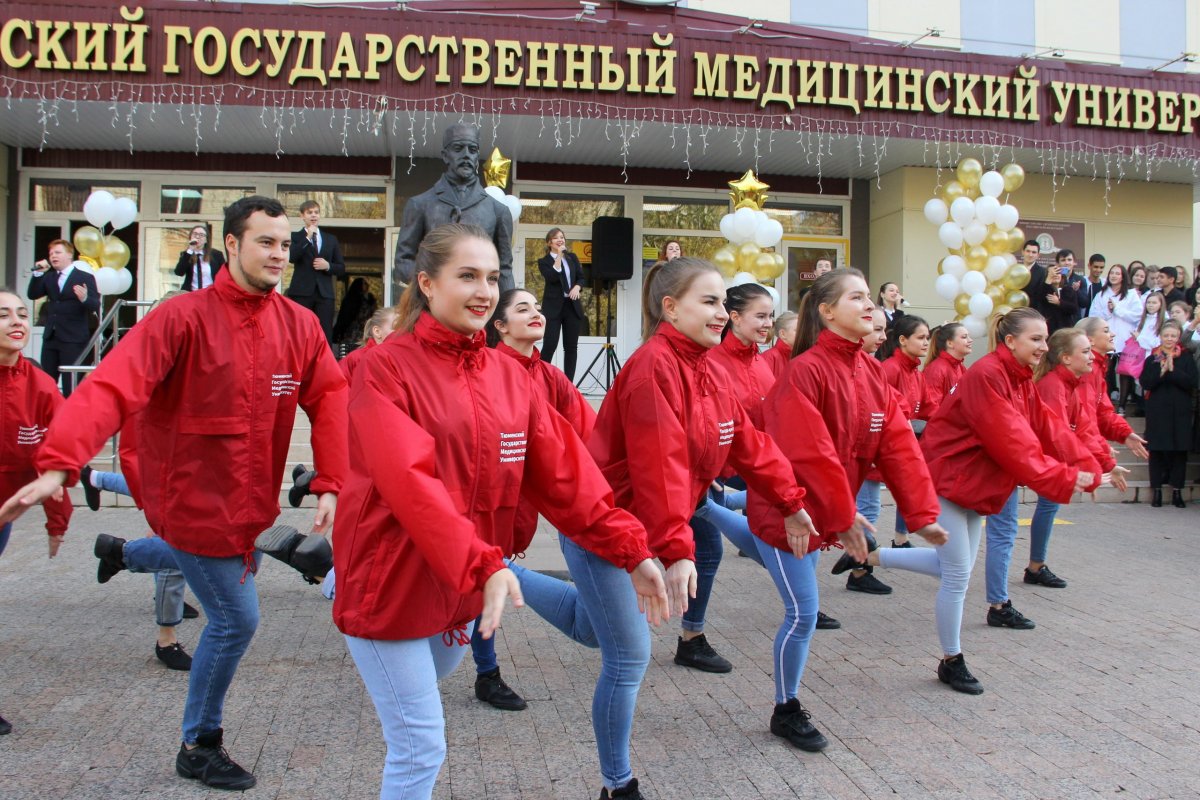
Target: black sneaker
x,y
491,689
189,611
297,471
90,493
209,763
698,654
1044,577
5,727
111,552
867,584
826,622
1008,617
300,486
174,656
791,721
629,790
954,672
907,544
847,563
310,554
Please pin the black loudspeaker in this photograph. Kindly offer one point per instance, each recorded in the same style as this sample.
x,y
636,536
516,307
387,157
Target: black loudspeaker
x,y
612,249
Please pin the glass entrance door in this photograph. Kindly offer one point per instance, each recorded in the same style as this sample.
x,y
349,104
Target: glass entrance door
x,y
802,254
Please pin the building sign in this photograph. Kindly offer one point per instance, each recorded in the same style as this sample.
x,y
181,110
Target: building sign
x,y
1053,236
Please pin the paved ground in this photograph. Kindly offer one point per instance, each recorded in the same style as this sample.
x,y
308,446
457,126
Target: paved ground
x,y
1100,701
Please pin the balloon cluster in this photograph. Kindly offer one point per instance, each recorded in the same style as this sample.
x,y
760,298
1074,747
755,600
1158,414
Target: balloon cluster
x,y
980,276
512,203
495,178
750,232
106,255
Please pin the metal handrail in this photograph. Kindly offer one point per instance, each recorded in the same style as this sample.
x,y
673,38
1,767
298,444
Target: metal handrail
x,y
96,344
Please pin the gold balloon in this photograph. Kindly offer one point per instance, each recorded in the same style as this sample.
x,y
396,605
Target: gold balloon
x,y
90,261
969,172
941,261
115,253
764,266
1016,240
1017,299
952,191
977,258
1016,278
89,241
997,243
725,260
747,255
997,292
1002,309
962,304
495,169
1014,176
748,192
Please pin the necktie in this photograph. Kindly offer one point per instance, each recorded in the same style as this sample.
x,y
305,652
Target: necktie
x,y
566,275
199,273
62,281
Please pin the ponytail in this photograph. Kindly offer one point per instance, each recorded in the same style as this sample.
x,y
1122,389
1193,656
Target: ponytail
x,y
942,336
826,290
738,297
1012,323
905,326
668,279
435,250
1061,343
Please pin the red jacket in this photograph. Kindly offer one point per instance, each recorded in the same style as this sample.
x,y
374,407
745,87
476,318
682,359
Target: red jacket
x,y
1070,398
445,435
29,399
1113,427
865,423
665,430
350,362
749,374
556,388
903,373
994,432
941,375
216,376
777,357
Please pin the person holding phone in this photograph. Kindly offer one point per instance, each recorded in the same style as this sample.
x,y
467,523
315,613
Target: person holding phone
x,y
563,277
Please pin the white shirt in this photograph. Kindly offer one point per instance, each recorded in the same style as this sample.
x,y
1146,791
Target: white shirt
x,y
62,276
203,271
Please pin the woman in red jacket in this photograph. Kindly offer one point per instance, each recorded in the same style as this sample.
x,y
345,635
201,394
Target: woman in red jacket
x,y
785,337
670,424
374,332
29,398
1113,426
990,435
445,433
952,343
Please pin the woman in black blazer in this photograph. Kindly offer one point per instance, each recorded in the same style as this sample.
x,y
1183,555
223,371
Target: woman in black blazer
x,y
563,278
199,264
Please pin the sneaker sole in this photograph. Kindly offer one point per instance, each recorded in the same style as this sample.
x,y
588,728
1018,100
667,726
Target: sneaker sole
x,y
184,771
1028,627
867,591
703,667
806,746
1047,585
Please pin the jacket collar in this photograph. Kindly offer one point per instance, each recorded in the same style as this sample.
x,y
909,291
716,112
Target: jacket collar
x,y
1100,362
784,347
467,350
842,348
909,363
688,350
228,290
528,362
1014,370
1066,376
16,370
954,361
743,352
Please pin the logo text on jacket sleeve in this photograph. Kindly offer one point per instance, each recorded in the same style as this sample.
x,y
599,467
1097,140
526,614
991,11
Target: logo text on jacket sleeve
x,y
725,431
29,435
283,385
512,447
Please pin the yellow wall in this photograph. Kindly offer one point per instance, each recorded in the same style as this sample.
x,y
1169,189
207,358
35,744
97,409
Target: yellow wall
x,y
1148,221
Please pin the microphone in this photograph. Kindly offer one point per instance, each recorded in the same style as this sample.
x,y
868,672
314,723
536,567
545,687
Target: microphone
x,y
903,302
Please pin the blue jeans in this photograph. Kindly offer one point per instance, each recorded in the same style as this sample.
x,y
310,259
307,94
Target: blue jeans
x,y
1001,536
1040,530
599,610
111,482
868,504
483,651
735,526
796,580
225,588
708,558
402,677
150,554
5,530
951,562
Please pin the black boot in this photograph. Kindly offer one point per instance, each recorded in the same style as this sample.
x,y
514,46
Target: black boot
x,y
1156,498
310,555
629,791
955,674
111,552
209,763
792,722
1177,499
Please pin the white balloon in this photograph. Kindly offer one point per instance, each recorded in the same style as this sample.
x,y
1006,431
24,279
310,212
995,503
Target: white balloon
x,y
514,206
986,208
83,266
991,184
980,305
124,280
107,280
1007,217
995,269
743,277
973,282
975,233
727,226
744,222
936,211
962,211
951,235
947,287
775,298
954,265
1009,259
768,233
495,192
976,326
98,208
124,212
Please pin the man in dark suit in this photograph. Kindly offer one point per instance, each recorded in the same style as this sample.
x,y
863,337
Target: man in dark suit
x,y
317,257
71,298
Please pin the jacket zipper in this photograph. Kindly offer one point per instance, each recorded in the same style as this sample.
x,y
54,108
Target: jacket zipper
x,y
479,454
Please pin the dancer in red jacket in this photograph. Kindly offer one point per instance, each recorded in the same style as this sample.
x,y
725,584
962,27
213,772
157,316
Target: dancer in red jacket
x,y
446,434
29,399
374,332
215,378
991,434
952,343
785,337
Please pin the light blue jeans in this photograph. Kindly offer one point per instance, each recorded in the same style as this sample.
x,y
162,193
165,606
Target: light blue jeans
x,y
868,504
110,482
226,591
1042,527
599,610
1001,536
951,562
733,525
796,581
402,679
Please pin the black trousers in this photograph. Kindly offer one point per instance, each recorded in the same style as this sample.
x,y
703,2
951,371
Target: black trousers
x,y
57,354
322,307
570,326
1168,467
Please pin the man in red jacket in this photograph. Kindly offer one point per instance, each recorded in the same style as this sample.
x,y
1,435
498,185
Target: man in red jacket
x,y
215,378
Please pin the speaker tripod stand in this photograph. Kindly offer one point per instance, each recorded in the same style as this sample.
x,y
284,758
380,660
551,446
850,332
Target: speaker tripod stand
x,y
608,350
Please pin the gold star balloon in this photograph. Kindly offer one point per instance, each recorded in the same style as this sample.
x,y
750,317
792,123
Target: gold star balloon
x,y
748,192
495,169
